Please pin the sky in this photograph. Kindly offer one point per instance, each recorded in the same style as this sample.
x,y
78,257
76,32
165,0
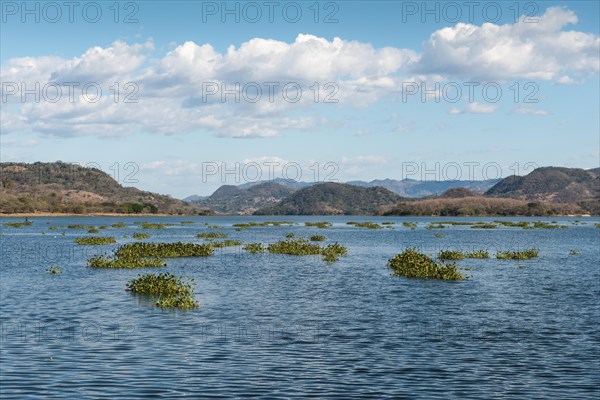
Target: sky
x,y
181,97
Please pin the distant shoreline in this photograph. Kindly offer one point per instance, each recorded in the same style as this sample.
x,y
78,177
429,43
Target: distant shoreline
x,y
48,214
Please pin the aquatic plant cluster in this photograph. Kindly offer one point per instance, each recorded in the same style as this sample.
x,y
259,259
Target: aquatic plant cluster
x,y
300,247
517,255
413,264
95,240
172,291
368,225
459,255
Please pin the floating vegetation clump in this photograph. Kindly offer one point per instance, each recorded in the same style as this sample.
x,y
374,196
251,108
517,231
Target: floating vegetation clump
x,y
517,255
125,262
212,235
317,238
140,236
119,225
174,292
160,285
93,230
95,240
434,226
183,301
597,225
484,226
144,255
242,226
254,248
53,228
439,235
300,247
457,223
574,252
164,250
322,225
187,222
79,226
289,235
410,225
148,225
55,270
531,225
333,252
17,224
214,226
227,243
459,255
413,264
368,225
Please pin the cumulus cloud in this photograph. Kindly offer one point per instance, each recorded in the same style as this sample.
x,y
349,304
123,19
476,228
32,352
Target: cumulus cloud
x,y
542,50
530,111
175,93
474,108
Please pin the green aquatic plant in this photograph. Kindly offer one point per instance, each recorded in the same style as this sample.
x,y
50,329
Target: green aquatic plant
x,y
93,230
410,225
125,262
212,235
413,264
367,225
54,270
148,225
140,236
303,248
180,301
53,228
79,226
597,225
459,255
17,224
96,240
333,252
227,243
435,226
164,250
103,227
119,225
187,222
254,248
164,284
574,252
289,235
317,238
321,225
484,226
517,255
174,291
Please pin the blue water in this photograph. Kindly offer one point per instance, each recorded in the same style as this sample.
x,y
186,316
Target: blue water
x,y
288,326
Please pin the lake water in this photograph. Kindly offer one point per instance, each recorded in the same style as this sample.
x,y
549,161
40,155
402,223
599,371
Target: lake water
x,y
291,326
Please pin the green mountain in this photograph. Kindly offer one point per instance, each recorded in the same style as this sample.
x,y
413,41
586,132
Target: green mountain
x,y
333,199
552,184
230,199
69,188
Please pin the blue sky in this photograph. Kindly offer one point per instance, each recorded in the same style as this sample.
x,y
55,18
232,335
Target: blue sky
x,y
373,58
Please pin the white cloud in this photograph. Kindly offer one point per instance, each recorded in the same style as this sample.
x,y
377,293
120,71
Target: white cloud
x,y
474,108
530,111
542,50
170,88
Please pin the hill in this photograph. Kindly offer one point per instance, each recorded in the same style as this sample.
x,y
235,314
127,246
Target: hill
x,y
418,189
333,199
230,199
554,185
69,188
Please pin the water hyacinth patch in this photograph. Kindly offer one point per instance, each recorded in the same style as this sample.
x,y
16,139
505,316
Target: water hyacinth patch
x,y
160,284
303,248
174,292
413,264
368,225
517,255
459,255
55,270
148,225
227,243
484,226
211,235
321,225
93,230
254,248
119,225
124,262
95,240
164,250
17,224
317,238
141,236
410,225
